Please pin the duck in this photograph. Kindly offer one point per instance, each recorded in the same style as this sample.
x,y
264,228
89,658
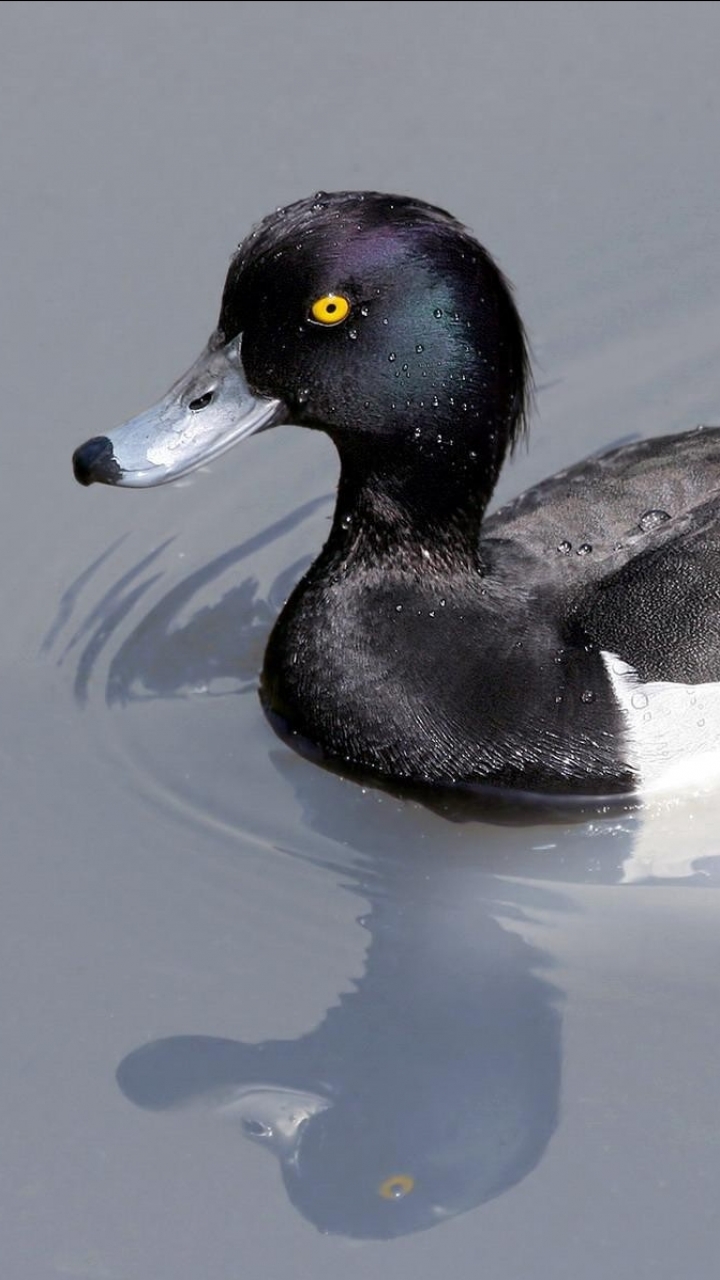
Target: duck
x,y
566,645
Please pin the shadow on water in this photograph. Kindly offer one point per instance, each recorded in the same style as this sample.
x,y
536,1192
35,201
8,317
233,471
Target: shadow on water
x,y
434,1085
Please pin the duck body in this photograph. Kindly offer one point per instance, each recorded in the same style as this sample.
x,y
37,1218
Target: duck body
x,y
527,645
556,648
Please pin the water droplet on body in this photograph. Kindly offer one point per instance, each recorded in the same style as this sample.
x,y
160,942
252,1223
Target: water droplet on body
x,y
652,519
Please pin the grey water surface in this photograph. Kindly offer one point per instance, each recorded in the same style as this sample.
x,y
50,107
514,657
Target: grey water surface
x,y
257,1020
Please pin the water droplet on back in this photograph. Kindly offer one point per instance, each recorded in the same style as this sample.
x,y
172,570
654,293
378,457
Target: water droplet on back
x,y
392,357
564,547
584,549
652,519
587,695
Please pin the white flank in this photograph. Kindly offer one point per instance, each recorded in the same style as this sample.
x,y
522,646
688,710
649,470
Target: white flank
x,y
672,730
673,744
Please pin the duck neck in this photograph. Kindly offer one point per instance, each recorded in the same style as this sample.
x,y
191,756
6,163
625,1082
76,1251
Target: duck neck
x,y
411,509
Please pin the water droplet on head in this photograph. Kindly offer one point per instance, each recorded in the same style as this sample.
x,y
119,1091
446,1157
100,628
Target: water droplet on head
x,y
364,311
398,608
652,519
584,549
352,333
564,548
346,522
385,320
587,695
438,313
392,357
419,347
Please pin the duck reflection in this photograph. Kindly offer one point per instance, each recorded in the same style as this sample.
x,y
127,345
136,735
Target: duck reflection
x,y
433,1085
430,1088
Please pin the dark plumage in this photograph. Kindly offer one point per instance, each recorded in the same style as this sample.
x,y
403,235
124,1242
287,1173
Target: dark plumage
x,y
427,646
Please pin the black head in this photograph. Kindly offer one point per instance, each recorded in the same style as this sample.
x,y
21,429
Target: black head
x,y
376,318
379,315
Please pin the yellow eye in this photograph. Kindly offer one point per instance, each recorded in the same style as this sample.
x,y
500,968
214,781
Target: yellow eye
x,y
396,1186
331,309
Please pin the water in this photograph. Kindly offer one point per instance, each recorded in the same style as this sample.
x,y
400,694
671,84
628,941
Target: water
x,y
243,998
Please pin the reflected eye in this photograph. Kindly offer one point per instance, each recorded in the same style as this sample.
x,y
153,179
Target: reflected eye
x,y
396,1186
331,309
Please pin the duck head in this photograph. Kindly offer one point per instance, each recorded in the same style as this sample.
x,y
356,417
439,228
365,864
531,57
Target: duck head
x,y
376,318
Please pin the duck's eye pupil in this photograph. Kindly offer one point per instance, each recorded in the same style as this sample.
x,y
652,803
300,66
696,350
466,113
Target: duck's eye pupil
x,y
331,307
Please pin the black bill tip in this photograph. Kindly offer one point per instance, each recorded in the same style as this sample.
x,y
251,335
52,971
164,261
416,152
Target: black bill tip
x,y
95,460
